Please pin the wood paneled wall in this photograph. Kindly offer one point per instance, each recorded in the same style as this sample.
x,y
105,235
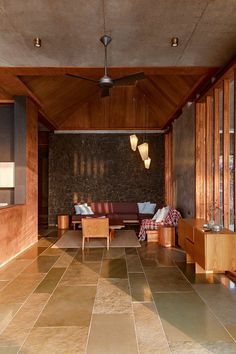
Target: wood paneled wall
x,y
19,223
214,152
168,169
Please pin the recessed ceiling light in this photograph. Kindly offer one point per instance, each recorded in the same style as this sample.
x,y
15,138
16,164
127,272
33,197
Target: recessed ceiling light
x,y
174,42
37,42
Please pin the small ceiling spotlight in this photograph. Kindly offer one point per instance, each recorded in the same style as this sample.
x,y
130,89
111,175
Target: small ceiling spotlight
x,y
174,42
37,42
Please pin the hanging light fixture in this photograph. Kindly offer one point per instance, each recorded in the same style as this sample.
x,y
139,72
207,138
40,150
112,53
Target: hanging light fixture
x,y
133,141
143,150
147,162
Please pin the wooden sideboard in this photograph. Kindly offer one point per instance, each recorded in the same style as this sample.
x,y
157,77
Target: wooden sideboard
x,y
210,251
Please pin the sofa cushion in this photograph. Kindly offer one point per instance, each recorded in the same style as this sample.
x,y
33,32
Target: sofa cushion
x,y
101,207
124,208
123,216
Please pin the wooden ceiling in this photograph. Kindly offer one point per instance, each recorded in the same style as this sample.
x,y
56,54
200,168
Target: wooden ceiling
x,y
67,103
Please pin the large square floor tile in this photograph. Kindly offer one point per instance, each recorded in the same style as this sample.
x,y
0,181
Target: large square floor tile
x,y
186,317
68,306
67,340
112,334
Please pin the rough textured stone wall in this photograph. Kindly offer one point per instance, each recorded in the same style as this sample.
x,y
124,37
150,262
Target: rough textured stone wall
x,y
100,167
184,162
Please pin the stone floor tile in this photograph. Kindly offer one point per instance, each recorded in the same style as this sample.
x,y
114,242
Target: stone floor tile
x,y
167,279
114,253
65,259
66,340
83,273
54,252
13,336
9,350
185,317
113,296
12,269
140,289
221,300
68,306
231,329
3,283
32,253
41,265
189,272
88,255
46,241
203,348
29,311
7,312
20,288
131,251
150,334
112,334
114,268
50,281
133,263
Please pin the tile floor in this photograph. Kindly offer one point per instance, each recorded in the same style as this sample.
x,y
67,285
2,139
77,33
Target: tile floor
x,y
122,301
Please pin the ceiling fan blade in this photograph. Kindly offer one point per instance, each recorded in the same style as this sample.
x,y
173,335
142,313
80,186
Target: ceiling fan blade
x,y
105,92
129,79
82,78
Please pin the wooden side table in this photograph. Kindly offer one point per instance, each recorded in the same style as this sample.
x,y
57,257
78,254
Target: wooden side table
x,y
167,236
152,235
63,221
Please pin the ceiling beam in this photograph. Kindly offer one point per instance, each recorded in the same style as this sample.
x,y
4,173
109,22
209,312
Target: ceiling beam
x,y
99,71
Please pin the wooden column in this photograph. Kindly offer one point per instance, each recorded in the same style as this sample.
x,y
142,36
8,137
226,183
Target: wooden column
x,y
216,187
209,153
168,169
200,160
226,152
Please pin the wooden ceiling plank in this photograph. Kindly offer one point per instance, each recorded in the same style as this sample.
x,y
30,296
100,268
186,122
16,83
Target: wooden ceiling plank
x,y
160,115
162,92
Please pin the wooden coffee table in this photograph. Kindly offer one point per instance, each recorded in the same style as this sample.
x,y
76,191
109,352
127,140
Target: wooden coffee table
x,y
115,225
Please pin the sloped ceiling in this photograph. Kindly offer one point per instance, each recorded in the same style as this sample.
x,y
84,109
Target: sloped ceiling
x,y
141,33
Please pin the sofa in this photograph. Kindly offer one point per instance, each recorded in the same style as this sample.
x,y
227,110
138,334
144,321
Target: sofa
x,y
128,212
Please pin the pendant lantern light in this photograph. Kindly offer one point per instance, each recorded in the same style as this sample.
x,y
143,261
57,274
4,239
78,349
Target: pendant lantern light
x,y
147,163
133,141
143,150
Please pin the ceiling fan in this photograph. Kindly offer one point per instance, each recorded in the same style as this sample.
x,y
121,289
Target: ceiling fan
x,y
106,82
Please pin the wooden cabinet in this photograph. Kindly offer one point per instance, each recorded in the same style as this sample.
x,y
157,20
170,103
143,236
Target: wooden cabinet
x,y
211,251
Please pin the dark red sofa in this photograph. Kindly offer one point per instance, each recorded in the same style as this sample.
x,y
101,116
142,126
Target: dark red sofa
x,y
127,212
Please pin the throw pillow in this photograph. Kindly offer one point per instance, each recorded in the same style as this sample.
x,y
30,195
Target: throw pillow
x,y
163,214
89,210
157,214
141,207
149,208
85,209
77,209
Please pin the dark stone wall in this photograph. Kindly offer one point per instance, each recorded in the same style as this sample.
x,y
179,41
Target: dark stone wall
x,y
100,167
184,162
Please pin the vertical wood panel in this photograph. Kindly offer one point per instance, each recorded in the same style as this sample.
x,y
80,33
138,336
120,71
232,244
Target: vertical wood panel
x,y
200,161
168,169
226,152
216,147
209,152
